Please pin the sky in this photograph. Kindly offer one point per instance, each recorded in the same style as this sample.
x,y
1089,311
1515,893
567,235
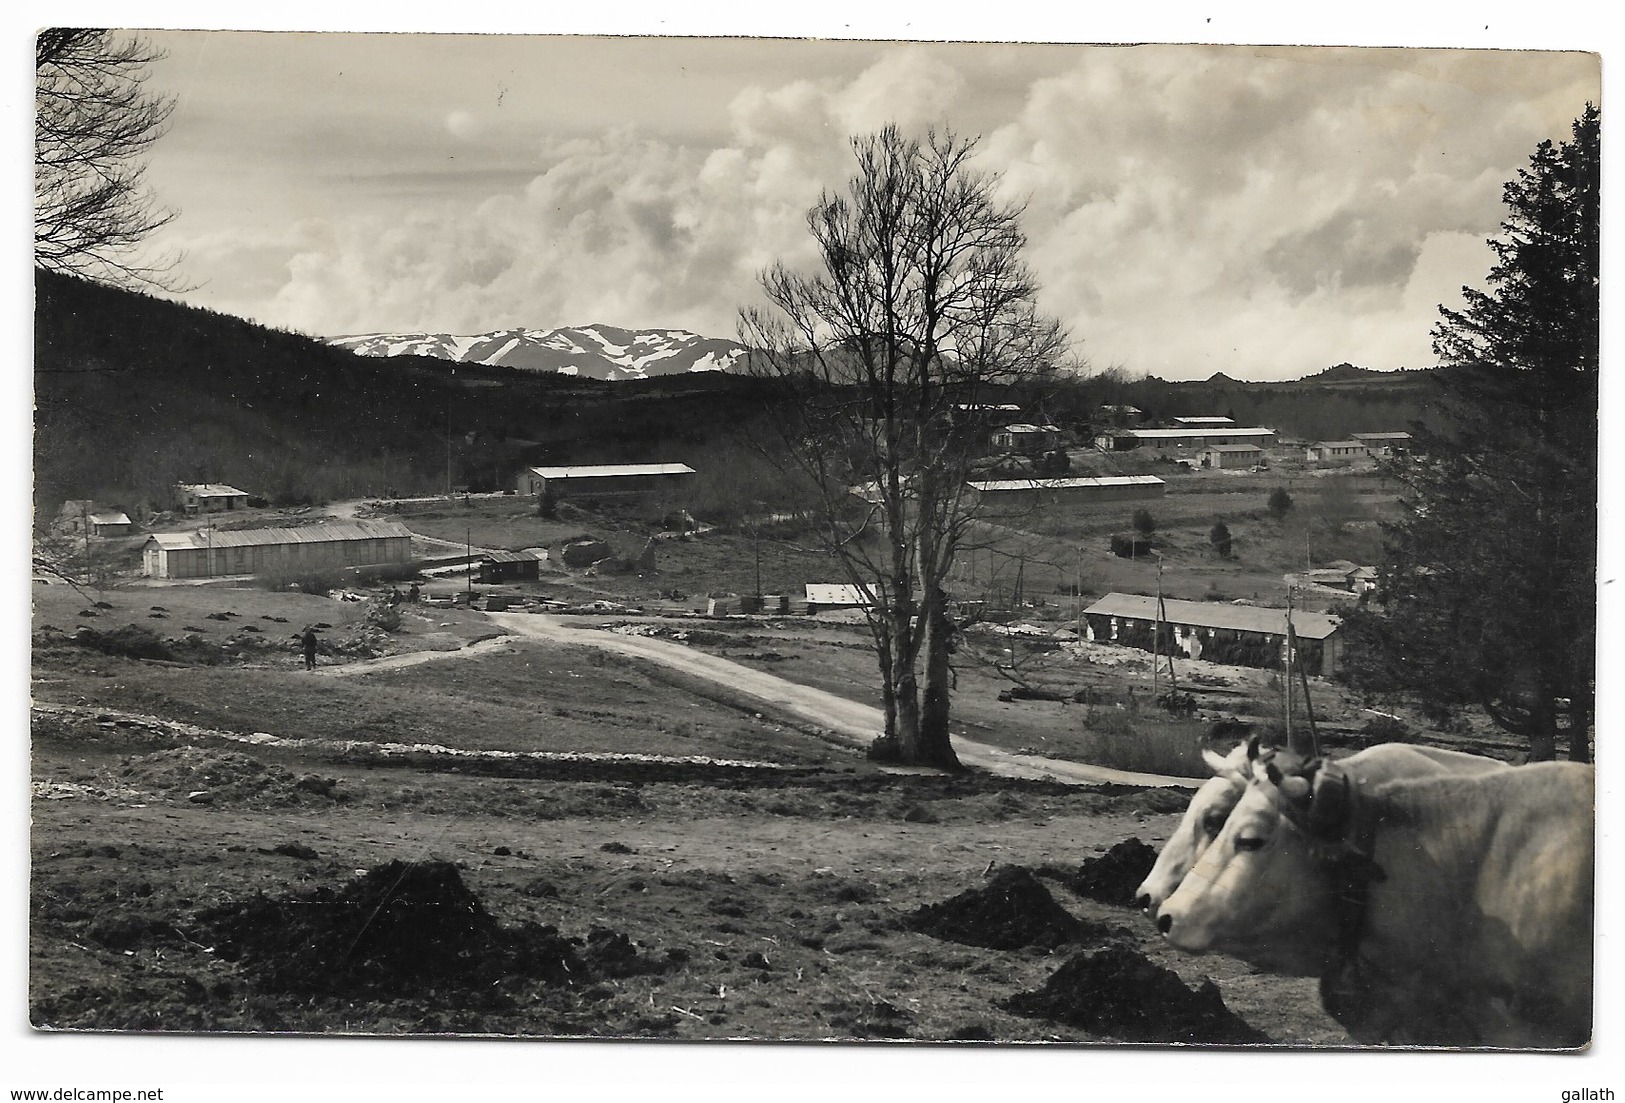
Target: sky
x,y
1264,212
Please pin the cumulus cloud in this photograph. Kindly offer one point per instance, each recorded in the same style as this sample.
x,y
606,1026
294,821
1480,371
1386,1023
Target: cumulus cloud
x,y
1189,210
464,124
1277,204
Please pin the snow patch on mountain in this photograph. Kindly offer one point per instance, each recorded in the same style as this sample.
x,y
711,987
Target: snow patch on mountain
x,y
596,351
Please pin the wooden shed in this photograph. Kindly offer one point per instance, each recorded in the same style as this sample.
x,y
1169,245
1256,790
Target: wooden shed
x,y
111,523
210,553
510,566
1026,439
209,497
1242,635
604,479
1231,456
995,495
1328,451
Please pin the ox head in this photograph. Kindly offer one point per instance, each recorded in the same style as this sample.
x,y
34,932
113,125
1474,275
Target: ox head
x,y
1202,821
1261,890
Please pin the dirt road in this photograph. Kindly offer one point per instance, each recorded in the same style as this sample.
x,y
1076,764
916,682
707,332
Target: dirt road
x,y
852,722
413,658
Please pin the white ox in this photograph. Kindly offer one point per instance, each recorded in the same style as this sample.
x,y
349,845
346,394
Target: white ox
x,y
1446,910
1212,803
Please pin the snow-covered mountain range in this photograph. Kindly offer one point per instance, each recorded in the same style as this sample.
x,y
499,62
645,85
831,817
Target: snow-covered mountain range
x,y
595,351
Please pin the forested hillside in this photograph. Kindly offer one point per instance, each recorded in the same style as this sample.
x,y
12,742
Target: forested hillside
x,y
134,393
1327,406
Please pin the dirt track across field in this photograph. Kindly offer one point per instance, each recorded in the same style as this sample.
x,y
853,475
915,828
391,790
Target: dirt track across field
x,y
850,721
413,658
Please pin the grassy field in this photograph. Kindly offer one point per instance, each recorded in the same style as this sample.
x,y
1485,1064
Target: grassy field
x,y
533,697
694,566
1333,518
691,898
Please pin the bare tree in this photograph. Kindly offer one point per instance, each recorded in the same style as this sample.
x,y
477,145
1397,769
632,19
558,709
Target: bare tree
x,y
921,317
94,118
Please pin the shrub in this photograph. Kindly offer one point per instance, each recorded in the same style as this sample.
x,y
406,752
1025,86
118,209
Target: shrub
x,y
320,582
1280,502
1053,464
1129,547
1144,744
381,614
1144,523
132,641
1219,537
1387,729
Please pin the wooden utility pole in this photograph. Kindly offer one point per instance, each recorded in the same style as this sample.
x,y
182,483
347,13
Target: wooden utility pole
x,y
1288,679
1077,594
1309,712
1156,639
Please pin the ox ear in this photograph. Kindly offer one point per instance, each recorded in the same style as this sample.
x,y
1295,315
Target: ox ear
x,y
1218,763
1330,804
1252,749
1273,773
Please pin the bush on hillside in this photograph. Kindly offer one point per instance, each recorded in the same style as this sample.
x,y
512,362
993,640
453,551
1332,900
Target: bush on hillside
x,y
334,578
1129,547
1143,744
381,614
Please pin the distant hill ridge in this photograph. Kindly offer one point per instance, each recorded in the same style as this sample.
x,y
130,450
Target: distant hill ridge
x,y
595,351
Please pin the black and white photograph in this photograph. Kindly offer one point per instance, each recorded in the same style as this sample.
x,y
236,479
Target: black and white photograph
x,y
941,544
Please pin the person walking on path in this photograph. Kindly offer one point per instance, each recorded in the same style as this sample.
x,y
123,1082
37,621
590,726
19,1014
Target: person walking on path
x,y
308,641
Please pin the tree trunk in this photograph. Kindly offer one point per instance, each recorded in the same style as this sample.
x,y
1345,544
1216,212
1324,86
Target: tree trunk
x,y
1543,730
901,742
936,746
901,694
1582,704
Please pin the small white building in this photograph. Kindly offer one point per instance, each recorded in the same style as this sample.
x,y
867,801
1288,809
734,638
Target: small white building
x,y
1332,451
1383,444
111,523
210,497
1231,456
1027,439
1066,491
604,479
82,517
835,595
1240,635
1120,414
1177,440
308,549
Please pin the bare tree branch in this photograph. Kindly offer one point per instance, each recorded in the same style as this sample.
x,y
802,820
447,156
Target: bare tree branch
x,y
93,121
922,306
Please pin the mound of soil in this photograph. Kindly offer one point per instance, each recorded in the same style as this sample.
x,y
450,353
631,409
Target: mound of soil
x,y
1013,911
105,731
1122,994
1113,877
609,953
131,640
399,927
227,776
876,1019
